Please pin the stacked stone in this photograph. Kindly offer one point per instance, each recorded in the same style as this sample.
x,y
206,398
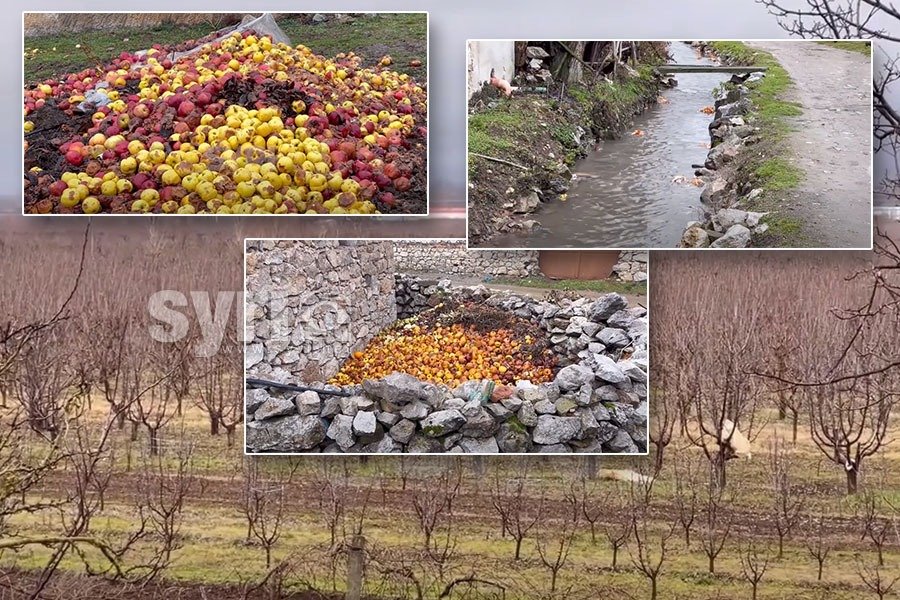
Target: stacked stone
x,y
596,403
453,258
632,266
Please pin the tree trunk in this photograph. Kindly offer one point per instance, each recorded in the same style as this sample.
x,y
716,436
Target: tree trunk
x,y
134,431
754,590
852,480
794,426
213,424
718,479
712,563
154,442
553,575
518,547
615,558
821,565
355,568
780,546
658,459
653,588
229,436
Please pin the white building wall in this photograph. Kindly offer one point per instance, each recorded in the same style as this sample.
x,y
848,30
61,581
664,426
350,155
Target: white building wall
x,y
484,55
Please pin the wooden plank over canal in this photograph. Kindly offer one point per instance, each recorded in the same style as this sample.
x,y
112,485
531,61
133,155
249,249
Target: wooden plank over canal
x,y
709,69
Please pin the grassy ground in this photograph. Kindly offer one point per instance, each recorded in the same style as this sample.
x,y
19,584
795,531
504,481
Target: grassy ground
x,y
401,35
576,285
861,47
769,166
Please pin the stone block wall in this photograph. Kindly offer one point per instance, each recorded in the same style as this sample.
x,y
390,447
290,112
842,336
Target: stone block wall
x,y
311,303
597,403
632,266
452,258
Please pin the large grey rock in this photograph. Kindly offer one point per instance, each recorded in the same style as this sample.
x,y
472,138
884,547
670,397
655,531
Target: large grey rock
x,y
612,337
715,192
740,107
385,445
535,52
486,445
403,431
341,431
275,406
422,444
331,406
498,411
565,405
622,443
479,426
527,415
607,370
545,407
364,423
695,237
285,434
442,422
529,392
255,398
513,438
527,203
737,236
398,388
632,370
387,419
415,411
604,306
555,430
308,403
573,377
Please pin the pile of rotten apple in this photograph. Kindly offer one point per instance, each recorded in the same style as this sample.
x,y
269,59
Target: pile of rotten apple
x,y
240,126
597,402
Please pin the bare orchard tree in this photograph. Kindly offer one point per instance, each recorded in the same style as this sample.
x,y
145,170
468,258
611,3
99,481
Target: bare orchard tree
x,y
265,494
649,546
715,523
879,580
787,501
554,543
688,491
517,509
45,384
816,541
218,392
433,502
849,420
878,527
754,564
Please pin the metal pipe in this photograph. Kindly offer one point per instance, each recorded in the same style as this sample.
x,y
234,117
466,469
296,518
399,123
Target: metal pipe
x,y
293,388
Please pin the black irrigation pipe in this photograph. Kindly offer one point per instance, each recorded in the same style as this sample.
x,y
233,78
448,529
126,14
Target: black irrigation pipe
x,y
258,383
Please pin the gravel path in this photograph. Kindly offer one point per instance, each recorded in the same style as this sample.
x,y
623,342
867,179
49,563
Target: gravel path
x,y
832,141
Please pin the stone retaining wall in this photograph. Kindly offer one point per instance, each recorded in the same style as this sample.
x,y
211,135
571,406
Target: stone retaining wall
x,y
632,266
597,402
453,258
311,303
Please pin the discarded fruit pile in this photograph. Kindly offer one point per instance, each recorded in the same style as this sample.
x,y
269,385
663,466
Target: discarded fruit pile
x,y
241,126
453,343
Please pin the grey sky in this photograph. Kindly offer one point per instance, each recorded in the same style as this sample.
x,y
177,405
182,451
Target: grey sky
x,y
451,24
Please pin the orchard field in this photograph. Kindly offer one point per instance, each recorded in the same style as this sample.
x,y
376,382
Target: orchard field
x,y
110,491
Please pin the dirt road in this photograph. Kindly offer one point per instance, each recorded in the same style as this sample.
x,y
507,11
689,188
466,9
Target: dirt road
x,y
832,141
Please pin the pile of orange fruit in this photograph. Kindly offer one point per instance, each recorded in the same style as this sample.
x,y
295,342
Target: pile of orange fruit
x,y
448,354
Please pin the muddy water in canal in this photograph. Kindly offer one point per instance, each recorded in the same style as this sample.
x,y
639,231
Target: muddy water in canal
x,y
629,199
